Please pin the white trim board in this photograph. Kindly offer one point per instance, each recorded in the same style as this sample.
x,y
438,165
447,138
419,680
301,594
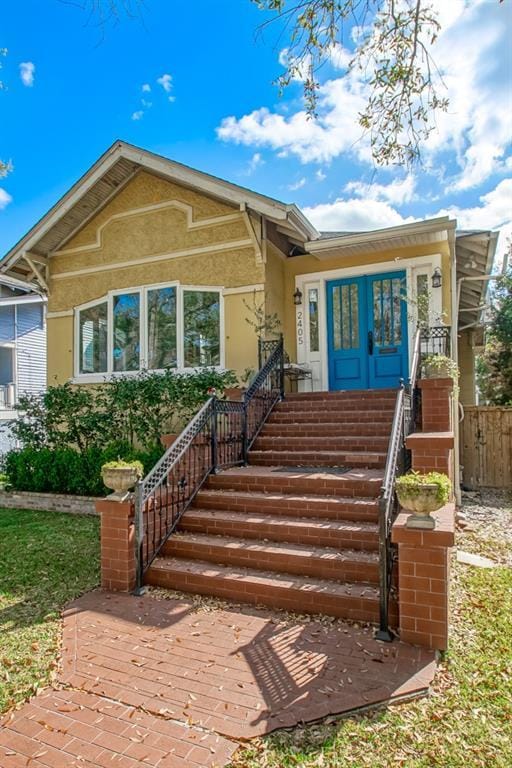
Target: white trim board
x,y
175,204
411,266
229,246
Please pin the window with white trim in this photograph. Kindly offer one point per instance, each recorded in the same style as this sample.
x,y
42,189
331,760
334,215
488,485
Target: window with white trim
x,y
153,327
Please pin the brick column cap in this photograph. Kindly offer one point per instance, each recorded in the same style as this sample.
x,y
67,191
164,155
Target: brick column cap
x,y
443,535
420,440
446,383
113,505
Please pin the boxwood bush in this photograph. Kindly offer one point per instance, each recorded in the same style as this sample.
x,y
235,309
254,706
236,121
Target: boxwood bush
x,y
69,432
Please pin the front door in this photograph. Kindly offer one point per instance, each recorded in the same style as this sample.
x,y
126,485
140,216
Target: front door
x,y
367,331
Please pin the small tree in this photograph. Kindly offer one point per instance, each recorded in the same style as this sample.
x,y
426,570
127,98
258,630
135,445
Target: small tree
x,y
494,366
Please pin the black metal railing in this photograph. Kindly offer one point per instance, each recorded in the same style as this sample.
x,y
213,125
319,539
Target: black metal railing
x,y
397,463
435,340
219,436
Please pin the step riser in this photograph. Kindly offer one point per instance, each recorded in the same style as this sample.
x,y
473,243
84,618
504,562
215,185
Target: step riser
x,y
303,459
321,508
330,417
367,444
260,531
345,394
307,429
335,486
371,406
277,597
315,567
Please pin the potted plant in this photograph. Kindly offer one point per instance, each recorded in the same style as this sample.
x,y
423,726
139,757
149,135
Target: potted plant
x,y
421,495
440,367
121,475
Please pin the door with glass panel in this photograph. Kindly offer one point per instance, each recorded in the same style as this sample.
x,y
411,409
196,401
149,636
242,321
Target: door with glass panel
x,y
346,333
367,331
387,330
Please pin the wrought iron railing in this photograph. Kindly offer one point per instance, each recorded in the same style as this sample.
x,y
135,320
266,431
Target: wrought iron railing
x,y
435,340
397,463
219,436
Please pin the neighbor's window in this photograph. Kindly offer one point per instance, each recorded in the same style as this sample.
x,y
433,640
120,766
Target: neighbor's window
x,y
162,341
201,328
126,338
92,330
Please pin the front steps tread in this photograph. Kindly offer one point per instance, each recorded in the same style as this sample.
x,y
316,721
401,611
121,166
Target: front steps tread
x,y
289,504
296,458
353,601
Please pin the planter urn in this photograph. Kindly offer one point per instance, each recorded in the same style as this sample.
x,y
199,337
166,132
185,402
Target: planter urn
x,y
421,502
120,480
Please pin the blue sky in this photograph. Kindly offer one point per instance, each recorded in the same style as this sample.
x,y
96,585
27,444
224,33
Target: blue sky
x,y
192,82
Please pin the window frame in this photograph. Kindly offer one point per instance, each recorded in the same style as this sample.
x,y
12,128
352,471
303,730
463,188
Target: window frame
x,y
142,290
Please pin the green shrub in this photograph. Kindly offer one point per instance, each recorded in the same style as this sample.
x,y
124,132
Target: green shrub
x,y
67,470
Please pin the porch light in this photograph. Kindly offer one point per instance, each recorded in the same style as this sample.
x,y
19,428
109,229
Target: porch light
x,y
297,297
436,278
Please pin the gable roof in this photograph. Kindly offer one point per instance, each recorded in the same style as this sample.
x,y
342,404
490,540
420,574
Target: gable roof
x,y
28,258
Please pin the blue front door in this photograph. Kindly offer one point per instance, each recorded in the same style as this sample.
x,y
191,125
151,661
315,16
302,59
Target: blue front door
x,y
367,331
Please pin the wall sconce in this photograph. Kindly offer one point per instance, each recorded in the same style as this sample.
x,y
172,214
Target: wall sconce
x,y
297,297
436,278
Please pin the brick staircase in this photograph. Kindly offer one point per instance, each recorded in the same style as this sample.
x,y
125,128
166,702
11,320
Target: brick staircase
x,y
292,530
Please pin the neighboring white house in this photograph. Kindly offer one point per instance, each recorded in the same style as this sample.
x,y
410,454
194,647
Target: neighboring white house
x,y
22,350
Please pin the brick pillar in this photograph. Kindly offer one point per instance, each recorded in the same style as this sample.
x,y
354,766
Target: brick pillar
x,y
431,452
436,404
117,544
424,579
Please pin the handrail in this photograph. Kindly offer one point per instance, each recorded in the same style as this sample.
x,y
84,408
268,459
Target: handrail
x,y
219,436
396,463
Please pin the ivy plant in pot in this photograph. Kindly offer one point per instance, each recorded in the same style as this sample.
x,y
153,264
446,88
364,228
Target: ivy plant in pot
x,y
440,367
120,476
421,495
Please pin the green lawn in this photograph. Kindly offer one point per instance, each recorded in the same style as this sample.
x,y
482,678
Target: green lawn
x,y
46,559
467,721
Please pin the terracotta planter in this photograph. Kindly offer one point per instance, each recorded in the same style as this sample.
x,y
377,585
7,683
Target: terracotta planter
x,y
234,393
120,479
421,502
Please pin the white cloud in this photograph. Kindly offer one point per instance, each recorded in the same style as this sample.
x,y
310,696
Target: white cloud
x,y
297,184
354,215
397,192
472,54
5,198
138,115
146,104
146,88
255,162
27,72
320,175
166,82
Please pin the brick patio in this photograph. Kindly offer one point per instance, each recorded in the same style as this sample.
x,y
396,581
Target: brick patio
x,y
156,682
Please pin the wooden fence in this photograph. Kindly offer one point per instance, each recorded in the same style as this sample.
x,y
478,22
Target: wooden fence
x,y
486,447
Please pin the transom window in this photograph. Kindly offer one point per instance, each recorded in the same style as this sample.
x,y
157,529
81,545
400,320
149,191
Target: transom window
x,y
153,327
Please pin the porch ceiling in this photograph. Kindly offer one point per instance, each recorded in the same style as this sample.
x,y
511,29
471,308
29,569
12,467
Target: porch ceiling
x,y
475,252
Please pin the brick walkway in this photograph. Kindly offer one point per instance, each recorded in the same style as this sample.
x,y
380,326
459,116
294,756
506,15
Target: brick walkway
x,y
164,685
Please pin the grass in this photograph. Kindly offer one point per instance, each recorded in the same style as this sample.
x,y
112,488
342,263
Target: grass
x,y
466,722
46,559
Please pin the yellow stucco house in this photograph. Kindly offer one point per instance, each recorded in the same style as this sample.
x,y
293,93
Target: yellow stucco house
x,y
148,263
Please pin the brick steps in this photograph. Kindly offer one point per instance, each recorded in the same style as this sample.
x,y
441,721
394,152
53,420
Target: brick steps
x,y
332,416
355,601
290,505
320,429
367,443
318,458
304,538
347,565
294,530
364,482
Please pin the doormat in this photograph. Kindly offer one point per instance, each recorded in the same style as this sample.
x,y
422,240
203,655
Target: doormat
x,y
315,470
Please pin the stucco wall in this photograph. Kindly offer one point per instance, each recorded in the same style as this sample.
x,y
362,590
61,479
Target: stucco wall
x,y
301,265
150,247
467,394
